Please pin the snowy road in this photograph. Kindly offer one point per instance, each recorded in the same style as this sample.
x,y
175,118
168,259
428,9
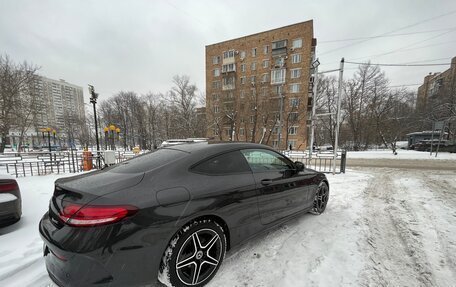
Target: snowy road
x,y
382,227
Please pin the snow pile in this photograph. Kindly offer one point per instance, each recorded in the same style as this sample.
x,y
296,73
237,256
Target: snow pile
x,y
5,197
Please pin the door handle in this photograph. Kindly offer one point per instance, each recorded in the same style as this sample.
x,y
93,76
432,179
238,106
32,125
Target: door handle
x,y
266,181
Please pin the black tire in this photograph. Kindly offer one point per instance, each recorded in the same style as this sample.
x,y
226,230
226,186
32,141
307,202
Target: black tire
x,y
199,246
321,199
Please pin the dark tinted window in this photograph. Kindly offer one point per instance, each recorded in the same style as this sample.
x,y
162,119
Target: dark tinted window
x,y
148,161
232,162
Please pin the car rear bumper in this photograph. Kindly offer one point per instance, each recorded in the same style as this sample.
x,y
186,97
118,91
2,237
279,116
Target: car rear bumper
x,y
116,262
10,211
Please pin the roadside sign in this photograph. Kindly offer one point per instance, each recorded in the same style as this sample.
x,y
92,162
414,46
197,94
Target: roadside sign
x,y
438,126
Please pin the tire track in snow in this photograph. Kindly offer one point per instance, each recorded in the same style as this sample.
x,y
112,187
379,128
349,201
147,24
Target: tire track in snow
x,y
392,245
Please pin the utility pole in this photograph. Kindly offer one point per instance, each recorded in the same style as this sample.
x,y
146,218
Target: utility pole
x,y
93,100
279,141
339,100
315,65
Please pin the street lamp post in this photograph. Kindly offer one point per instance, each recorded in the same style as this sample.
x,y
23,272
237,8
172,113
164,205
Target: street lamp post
x,y
112,128
118,135
93,100
106,137
53,134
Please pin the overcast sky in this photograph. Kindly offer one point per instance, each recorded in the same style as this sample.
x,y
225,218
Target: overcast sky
x,y
140,45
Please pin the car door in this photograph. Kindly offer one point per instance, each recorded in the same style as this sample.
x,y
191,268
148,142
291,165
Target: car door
x,y
282,190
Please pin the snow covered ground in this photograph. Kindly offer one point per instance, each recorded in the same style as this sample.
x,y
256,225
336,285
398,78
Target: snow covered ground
x,y
382,227
401,154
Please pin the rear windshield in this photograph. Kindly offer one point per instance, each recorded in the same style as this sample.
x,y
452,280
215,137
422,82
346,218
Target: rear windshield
x,y
148,161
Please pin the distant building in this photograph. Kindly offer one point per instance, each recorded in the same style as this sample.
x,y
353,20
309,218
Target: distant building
x,y
437,87
252,80
59,106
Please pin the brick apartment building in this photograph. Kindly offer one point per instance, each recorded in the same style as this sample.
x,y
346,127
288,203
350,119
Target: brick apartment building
x,y
437,88
259,87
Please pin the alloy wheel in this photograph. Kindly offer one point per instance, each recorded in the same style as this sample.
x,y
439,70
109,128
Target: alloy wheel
x,y
199,257
321,198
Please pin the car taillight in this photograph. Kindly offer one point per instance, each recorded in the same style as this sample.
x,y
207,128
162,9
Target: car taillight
x,y
7,186
93,215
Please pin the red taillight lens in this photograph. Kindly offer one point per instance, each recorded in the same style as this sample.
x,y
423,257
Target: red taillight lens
x,y
92,215
7,186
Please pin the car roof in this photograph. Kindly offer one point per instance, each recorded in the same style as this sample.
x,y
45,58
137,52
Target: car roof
x,y
216,146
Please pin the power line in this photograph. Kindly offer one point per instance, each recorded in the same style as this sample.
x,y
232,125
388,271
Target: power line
x,y
398,65
385,36
391,32
405,85
421,61
404,47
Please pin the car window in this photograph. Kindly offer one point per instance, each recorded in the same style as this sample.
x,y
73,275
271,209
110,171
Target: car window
x,y
227,163
148,161
265,160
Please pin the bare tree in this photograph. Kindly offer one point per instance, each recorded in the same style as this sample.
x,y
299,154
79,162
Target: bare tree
x,y
16,82
182,97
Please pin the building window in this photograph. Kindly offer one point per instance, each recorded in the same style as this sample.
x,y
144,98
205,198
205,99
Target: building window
x,y
241,131
264,91
279,62
279,44
215,97
242,120
243,68
254,52
252,79
216,131
295,88
265,78
278,90
242,54
278,76
228,83
228,68
216,72
265,49
293,130
297,43
242,80
228,54
265,64
252,119
242,95
293,117
216,109
275,143
296,58
294,102
253,66
216,85
215,60
295,73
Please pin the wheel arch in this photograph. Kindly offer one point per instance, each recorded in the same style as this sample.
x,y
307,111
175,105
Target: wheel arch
x,y
217,219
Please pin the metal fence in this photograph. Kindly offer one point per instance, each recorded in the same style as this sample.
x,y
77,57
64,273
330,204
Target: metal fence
x,y
71,161
41,163
321,161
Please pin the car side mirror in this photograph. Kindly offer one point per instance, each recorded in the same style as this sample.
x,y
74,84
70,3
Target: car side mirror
x,y
299,166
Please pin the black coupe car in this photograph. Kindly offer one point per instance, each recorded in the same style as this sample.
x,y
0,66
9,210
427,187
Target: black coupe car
x,y
170,215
